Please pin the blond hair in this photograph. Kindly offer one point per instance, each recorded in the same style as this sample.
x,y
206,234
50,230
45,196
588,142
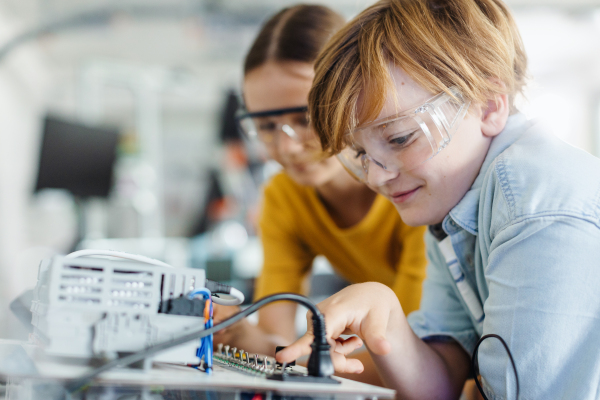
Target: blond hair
x,y
472,44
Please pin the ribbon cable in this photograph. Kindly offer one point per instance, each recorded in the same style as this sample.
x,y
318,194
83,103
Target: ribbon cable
x,y
466,291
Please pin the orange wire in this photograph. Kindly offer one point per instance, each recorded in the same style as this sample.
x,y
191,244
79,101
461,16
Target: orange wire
x,y
206,310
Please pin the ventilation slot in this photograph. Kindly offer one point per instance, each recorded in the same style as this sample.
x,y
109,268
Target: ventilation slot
x,y
81,285
131,289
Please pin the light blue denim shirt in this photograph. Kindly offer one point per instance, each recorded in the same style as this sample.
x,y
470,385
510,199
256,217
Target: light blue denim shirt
x,y
527,239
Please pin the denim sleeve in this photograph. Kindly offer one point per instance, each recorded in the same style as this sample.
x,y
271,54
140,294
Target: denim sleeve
x,y
441,313
543,276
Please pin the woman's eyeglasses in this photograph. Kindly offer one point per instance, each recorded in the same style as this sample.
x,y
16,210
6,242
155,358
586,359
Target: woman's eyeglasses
x,y
267,126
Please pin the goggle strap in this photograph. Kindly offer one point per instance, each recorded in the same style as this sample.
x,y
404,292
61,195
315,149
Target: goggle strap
x,y
272,113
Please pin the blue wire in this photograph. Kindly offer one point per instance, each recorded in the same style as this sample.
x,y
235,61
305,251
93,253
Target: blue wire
x,y
206,343
203,291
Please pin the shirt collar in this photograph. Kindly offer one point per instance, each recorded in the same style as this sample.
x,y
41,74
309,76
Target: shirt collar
x,y
464,214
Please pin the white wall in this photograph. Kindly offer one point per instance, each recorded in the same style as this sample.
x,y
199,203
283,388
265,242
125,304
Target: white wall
x,y
564,62
23,81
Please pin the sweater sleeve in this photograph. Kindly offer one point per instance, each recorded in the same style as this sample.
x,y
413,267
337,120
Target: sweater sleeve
x,y
287,260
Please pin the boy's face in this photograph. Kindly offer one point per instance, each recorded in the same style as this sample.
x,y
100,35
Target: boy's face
x,y
424,195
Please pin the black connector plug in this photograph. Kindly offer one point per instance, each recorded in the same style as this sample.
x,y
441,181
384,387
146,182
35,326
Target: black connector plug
x,y
319,362
320,368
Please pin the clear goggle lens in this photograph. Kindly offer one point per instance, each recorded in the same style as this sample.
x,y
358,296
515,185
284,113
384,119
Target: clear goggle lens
x,y
406,140
267,127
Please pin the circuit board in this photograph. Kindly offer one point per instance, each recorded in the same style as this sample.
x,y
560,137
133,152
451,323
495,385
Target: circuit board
x,y
33,378
230,358
241,361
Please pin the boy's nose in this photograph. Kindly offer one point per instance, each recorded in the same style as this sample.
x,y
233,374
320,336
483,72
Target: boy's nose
x,y
378,176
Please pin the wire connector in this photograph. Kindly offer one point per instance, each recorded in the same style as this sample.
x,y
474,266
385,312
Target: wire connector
x,y
217,288
319,362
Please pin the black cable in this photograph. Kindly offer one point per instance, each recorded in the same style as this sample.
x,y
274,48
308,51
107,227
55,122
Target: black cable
x,y
323,366
475,363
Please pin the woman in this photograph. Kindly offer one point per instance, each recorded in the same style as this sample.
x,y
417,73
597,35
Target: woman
x,y
314,207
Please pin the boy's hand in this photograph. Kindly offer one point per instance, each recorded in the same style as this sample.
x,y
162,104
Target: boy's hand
x,y
369,310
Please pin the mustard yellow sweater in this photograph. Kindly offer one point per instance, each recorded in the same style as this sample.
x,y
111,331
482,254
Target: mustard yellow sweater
x,y
295,227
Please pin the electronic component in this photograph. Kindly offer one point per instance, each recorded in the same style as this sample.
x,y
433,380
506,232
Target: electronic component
x,y
97,308
29,378
239,360
264,366
184,306
146,311
125,313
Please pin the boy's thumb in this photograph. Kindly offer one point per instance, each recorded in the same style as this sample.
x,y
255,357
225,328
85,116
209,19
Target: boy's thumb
x,y
378,344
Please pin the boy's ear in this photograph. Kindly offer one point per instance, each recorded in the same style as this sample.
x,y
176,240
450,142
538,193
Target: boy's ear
x,y
494,115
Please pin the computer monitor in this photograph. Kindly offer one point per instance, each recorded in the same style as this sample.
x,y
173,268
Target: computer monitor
x,y
77,157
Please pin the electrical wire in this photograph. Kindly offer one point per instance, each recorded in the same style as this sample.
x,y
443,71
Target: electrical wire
x,y
207,345
475,363
318,329
205,351
117,254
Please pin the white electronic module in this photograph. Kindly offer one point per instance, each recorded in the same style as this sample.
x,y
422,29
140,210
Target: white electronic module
x,y
99,308
93,316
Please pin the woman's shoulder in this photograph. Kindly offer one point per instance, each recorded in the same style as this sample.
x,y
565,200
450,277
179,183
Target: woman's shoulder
x,y
280,181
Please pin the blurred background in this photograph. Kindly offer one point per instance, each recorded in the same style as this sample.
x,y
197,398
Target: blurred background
x,y
117,130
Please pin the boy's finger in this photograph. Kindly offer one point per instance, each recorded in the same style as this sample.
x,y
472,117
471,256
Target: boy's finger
x,y
299,348
374,330
347,346
346,365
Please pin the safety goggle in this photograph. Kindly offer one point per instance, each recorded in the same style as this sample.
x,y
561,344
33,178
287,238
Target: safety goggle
x,y
405,140
266,126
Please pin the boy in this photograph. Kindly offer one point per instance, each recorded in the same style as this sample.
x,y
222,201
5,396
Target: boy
x,y
417,97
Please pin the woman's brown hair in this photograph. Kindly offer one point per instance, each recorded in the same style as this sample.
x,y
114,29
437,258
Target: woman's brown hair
x,y
472,44
293,34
